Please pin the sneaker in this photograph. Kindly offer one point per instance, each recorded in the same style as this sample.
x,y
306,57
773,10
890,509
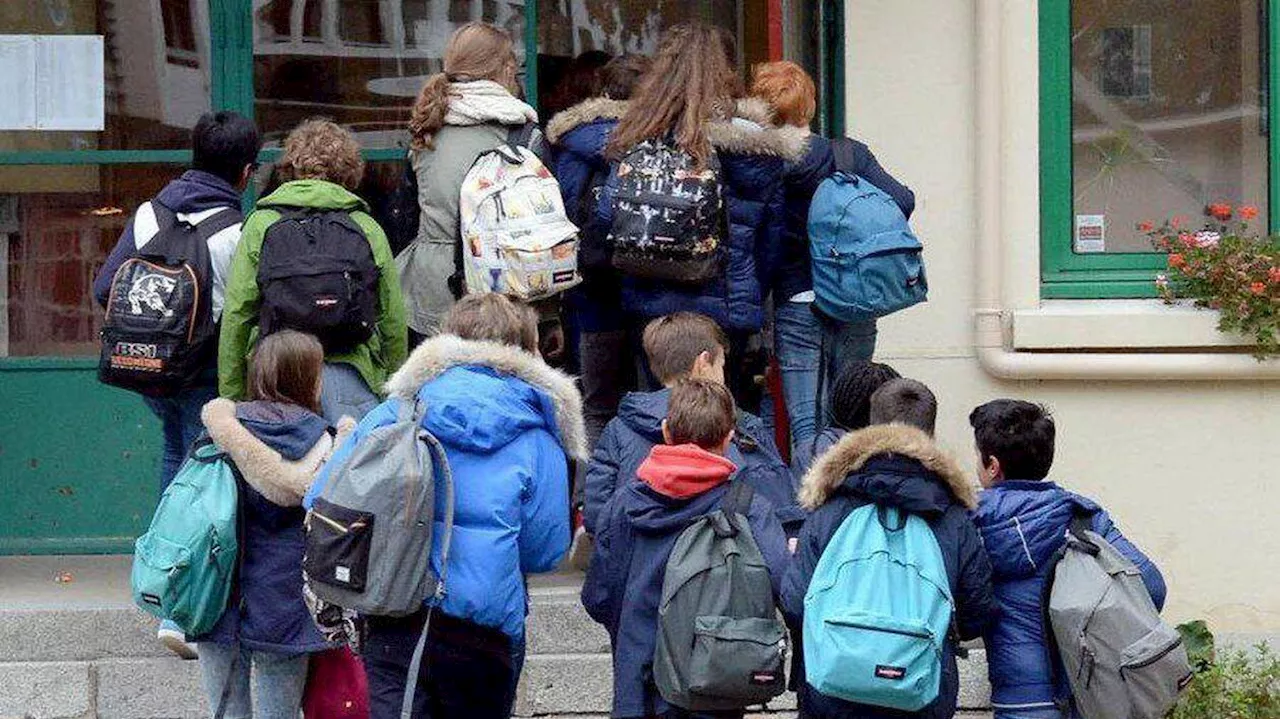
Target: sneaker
x,y
175,641
580,549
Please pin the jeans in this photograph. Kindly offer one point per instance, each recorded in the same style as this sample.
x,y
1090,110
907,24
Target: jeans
x,y
1042,713
797,342
180,420
344,393
278,681
466,671
608,372
844,342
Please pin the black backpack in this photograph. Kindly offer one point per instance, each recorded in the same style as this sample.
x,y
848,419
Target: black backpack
x,y
317,275
668,219
158,336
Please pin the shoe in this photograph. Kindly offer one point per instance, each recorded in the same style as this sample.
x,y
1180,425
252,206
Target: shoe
x,y
580,549
175,641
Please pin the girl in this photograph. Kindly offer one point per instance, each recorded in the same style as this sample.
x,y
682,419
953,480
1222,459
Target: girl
x,y
467,110
279,442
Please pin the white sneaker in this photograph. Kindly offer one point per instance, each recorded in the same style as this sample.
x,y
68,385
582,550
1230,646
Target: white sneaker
x,y
175,641
580,549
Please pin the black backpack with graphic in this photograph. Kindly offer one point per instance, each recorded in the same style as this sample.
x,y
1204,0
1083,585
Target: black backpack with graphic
x,y
317,275
159,336
668,216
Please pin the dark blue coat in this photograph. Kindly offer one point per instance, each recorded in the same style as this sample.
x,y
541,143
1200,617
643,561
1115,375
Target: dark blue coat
x,y
627,439
1023,523
624,583
753,157
266,611
901,467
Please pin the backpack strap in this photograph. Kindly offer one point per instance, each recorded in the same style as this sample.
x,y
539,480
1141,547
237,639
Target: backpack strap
x,y
521,135
844,151
738,499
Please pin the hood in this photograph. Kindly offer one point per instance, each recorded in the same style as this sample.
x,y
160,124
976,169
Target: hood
x,y
598,109
1023,523
266,440
643,412
683,471
892,456
491,379
656,514
197,191
758,136
317,194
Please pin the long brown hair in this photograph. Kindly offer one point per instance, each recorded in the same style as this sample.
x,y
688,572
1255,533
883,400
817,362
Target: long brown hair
x,y
285,367
691,81
477,51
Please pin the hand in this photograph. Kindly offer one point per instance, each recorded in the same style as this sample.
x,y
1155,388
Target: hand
x,y
551,342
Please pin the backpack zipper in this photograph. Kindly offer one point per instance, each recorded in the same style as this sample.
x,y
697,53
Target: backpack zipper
x,y
887,630
1157,657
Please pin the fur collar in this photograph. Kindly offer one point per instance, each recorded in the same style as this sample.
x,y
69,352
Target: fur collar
x,y
282,482
442,352
597,108
854,449
789,143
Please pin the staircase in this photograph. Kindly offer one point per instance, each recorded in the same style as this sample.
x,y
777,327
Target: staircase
x,y
72,646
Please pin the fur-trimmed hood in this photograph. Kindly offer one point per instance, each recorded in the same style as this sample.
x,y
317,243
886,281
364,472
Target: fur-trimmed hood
x,y
443,352
855,449
281,481
593,110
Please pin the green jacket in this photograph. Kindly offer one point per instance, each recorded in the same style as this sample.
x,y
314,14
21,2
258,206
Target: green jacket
x,y
376,359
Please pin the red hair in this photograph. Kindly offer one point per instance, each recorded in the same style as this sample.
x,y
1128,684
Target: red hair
x,y
789,91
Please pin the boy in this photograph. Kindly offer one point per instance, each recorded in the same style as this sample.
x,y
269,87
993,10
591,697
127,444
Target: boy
x,y
678,482
1023,519
679,346
893,463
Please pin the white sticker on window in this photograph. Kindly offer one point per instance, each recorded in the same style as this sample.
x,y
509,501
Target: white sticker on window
x,y
1091,233
342,574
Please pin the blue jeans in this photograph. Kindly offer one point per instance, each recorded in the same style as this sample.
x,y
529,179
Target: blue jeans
x,y
1042,713
343,393
278,681
180,419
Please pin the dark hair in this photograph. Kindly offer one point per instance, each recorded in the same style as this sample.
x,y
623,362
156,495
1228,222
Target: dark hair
x,y
580,80
672,342
852,389
223,144
700,412
619,78
285,367
1019,434
906,401
492,317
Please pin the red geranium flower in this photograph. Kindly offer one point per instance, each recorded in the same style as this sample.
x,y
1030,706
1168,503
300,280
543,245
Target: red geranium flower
x,y
1248,212
1273,275
1146,226
1176,260
1219,211
1258,288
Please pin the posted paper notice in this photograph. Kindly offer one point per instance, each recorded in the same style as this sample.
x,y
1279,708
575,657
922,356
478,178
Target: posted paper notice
x,y
1091,233
52,82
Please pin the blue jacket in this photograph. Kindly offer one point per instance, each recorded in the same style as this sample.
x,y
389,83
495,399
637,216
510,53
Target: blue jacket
x,y
506,421
628,438
793,272
624,582
896,466
1023,523
266,611
578,137
753,156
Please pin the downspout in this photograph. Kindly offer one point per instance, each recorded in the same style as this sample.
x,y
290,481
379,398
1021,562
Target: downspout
x,y
993,320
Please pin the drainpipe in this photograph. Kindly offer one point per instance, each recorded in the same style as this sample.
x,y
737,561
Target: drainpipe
x,y
993,321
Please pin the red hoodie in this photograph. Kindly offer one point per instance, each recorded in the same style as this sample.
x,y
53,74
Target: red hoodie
x,y
684,470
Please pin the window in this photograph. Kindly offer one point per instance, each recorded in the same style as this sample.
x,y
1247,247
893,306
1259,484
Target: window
x,y
1150,110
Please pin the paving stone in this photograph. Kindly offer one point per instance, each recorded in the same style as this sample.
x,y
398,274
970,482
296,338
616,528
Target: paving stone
x,y
150,689
45,690
975,691
75,634
559,625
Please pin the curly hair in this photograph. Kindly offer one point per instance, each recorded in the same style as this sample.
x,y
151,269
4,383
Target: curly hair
x,y
320,149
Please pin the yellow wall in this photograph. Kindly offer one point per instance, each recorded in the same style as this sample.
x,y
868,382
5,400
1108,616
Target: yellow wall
x,y
1187,468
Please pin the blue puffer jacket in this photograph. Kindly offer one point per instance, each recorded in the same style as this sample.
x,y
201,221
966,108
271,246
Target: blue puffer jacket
x,y
638,530
629,437
278,449
753,157
578,137
897,466
1023,523
506,421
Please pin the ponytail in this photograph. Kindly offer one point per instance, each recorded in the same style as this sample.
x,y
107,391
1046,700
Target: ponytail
x,y
428,112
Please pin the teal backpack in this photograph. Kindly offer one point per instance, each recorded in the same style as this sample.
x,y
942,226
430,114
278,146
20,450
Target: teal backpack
x,y
184,564
877,612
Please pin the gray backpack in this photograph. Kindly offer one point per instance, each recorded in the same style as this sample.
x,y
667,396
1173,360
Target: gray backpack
x,y
721,645
1122,661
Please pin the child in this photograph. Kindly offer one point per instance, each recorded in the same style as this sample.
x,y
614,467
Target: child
x,y
849,409
1023,519
315,207
678,482
679,346
893,463
506,421
279,443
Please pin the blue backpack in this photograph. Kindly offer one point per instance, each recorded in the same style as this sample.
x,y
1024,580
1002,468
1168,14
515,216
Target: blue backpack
x,y
878,611
183,566
866,261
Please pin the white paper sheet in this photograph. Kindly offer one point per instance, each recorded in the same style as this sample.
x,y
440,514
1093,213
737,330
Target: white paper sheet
x,y
52,82
17,82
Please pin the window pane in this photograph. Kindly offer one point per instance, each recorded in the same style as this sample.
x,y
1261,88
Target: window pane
x,y
359,62
1166,113
156,68
60,222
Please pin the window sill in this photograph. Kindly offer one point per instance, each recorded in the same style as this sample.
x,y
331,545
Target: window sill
x,y
1074,325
